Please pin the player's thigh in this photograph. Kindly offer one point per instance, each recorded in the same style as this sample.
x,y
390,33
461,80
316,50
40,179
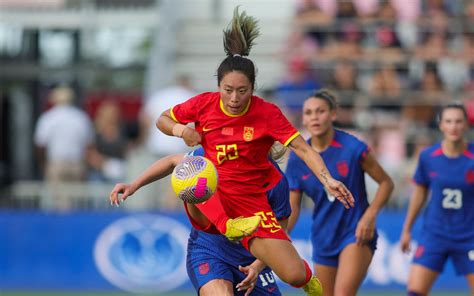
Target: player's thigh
x,y
421,279
282,257
217,287
354,262
327,276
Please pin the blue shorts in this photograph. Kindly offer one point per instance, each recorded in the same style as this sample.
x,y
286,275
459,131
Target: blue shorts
x,y
208,268
433,251
332,259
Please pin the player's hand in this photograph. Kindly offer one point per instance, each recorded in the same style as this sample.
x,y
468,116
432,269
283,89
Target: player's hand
x,y
339,191
125,189
365,228
191,137
405,240
249,282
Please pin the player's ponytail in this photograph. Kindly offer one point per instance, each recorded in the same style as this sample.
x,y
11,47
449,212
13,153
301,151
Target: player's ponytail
x,y
239,38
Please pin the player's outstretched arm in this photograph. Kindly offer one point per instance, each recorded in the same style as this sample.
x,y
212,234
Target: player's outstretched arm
x,y
366,226
417,201
159,169
314,161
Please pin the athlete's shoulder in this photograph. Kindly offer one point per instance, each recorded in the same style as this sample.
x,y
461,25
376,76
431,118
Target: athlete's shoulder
x,y
264,106
432,151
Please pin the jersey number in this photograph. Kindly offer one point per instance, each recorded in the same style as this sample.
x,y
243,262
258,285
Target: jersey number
x,y
226,152
452,198
266,278
269,221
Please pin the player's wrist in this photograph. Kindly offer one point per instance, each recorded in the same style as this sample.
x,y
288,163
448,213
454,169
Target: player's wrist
x,y
178,130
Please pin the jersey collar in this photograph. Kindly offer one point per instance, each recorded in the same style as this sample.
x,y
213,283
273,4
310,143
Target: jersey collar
x,y
221,104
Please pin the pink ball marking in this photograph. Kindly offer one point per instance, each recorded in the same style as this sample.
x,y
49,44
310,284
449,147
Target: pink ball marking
x,y
201,188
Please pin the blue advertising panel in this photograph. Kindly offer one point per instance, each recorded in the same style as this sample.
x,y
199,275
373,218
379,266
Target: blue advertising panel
x,y
146,252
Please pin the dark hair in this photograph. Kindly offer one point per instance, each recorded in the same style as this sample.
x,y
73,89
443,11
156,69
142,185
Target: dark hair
x,y
238,40
326,95
458,106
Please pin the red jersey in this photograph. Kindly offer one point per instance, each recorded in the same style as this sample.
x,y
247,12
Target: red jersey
x,y
238,145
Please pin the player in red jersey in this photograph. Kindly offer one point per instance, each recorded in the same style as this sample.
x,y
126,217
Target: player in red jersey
x,y
236,130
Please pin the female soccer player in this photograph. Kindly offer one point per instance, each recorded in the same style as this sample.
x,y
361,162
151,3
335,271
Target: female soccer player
x,y
343,240
446,172
213,262
236,130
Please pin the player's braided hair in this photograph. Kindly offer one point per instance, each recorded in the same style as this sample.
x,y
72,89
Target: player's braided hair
x,y
238,39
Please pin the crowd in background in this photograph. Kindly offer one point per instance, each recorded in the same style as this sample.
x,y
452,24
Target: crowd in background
x,y
391,63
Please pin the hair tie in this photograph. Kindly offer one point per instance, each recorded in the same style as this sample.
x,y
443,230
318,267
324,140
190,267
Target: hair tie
x,y
236,55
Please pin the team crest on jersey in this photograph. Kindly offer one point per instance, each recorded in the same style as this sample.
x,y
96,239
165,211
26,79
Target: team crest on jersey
x,y
469,176
248,133
342,168
204,268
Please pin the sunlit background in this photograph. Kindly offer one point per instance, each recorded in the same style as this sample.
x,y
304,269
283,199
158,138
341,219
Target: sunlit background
x,y
392,63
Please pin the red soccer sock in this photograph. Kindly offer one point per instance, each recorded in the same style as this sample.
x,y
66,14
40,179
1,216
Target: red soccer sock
x,y
214,211
309,274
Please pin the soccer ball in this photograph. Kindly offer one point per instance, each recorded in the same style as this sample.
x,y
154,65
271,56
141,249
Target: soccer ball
x,y
194,180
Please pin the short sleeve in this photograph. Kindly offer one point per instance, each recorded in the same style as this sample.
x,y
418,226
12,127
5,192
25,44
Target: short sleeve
x,y
362,150
187,111
279,126
292,172
420,177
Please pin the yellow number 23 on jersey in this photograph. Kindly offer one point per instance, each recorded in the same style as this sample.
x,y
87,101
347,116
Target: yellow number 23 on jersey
x,y
226,152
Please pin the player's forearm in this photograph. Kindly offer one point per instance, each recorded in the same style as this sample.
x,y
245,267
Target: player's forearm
x,y
258,265
165,123
312,159
416,203
295,202
381,196
158,170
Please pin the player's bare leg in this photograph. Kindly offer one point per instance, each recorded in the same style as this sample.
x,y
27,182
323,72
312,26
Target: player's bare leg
x,y
217,287
421,279
354,262
282,257
470,282
327,276
197,215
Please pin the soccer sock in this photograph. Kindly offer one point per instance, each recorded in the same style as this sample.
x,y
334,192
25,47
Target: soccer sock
x,y
309,274
214,211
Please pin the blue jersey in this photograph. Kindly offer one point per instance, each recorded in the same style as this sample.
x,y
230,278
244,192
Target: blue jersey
x,y
206,245
333,225
450,210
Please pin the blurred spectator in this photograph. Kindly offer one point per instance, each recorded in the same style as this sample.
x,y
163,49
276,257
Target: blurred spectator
x,y
344,84
107,159
63,138
346,44
157,145
295,87
156,142
420,110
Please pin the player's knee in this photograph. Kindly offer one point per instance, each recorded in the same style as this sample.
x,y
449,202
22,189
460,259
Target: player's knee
x,y
295,278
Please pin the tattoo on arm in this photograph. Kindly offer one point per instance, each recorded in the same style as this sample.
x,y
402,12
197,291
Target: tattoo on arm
x,y
324,176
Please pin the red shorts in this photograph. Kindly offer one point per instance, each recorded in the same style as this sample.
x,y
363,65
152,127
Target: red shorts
x,y
247,206
254,205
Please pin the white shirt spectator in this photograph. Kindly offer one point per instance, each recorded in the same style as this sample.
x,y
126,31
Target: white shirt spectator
x,y
157,142
65,132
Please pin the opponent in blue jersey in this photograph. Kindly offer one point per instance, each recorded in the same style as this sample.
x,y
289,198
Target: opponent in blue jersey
x,y
213,257
445,172
343,240
214,263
